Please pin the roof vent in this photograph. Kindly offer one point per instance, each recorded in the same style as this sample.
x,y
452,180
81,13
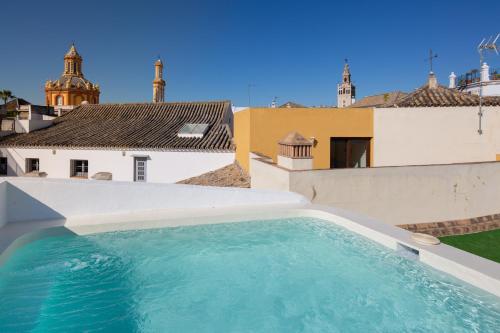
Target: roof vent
x,y
191,130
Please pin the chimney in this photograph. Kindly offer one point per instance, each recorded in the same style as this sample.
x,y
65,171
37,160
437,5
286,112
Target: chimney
x,y
294,152
433,83
485,72
453,80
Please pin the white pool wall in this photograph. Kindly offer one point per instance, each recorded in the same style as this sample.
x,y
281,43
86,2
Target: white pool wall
x,y
3,203
29,199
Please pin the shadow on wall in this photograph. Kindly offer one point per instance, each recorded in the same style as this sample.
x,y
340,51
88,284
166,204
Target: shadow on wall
x,y
23,207
13,167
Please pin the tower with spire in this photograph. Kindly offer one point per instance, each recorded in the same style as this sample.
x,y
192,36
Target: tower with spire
x,y
158,83
346,91
72,88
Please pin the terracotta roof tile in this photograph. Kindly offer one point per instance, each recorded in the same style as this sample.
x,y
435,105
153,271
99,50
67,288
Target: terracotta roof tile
x,y
441,96
290,104
379,100
134,126
295,138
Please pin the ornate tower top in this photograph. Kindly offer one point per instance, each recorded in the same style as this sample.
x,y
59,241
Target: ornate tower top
x,y
73,62
346,75
72,53
158,83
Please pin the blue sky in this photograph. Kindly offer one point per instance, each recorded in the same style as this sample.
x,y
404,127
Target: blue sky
x,y
214,49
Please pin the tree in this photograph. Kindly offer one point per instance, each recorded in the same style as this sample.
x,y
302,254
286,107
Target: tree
x,y
6,95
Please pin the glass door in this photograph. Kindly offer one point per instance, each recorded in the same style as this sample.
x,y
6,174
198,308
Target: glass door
x,y
349,152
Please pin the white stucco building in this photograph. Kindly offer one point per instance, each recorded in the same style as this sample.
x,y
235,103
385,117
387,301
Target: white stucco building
x,y
152,142
471,81
436,125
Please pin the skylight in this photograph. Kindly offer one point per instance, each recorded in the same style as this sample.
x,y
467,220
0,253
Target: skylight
x,y
193,130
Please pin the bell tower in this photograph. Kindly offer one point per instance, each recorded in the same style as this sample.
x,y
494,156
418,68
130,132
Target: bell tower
x,y
158,83
346,91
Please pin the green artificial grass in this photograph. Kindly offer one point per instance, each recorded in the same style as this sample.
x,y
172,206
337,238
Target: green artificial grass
x,y
485,244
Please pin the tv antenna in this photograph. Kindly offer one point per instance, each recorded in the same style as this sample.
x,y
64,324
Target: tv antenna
x,y
431,57
485,45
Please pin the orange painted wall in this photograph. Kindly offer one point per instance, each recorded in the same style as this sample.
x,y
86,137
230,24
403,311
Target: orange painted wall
x,y
71,97
259,130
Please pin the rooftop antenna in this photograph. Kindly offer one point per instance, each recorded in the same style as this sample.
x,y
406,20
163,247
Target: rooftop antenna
x,y
431,57
485,45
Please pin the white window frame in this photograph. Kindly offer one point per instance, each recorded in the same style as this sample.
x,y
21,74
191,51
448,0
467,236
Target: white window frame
x,y
84,169
137,176
29,165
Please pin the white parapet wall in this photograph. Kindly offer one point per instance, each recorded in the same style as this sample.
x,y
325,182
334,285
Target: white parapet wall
x,y
394,195
162,166
295,163
28,199
32,204
30,125
434,135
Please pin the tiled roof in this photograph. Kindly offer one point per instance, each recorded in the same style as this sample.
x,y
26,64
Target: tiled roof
x,y
74,81
427,96
379,100
292,105
229,176
14,104
295,139
149,126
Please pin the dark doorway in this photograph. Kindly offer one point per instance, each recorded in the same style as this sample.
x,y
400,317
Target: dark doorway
x,y
3,166
349,153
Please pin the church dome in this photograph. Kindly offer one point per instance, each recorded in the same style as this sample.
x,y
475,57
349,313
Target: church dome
x,y
68,81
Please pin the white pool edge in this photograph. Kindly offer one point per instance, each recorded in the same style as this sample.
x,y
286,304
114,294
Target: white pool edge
x,y
477,271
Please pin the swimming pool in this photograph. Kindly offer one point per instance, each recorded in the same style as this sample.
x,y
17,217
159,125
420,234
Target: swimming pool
x,y
298,274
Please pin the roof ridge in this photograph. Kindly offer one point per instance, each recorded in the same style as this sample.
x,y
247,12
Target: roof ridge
x,y
390,92
160,103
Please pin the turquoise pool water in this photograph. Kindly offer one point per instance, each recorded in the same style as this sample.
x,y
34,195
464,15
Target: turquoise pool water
x,y
288,275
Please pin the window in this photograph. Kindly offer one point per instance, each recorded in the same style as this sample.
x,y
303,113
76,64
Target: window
x,y
59,100
349,152
3,166
80,168
32,165
140,169
193,130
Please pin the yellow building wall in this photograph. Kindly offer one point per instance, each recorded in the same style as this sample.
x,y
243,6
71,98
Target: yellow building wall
x,y
259,130
241,127
71,97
